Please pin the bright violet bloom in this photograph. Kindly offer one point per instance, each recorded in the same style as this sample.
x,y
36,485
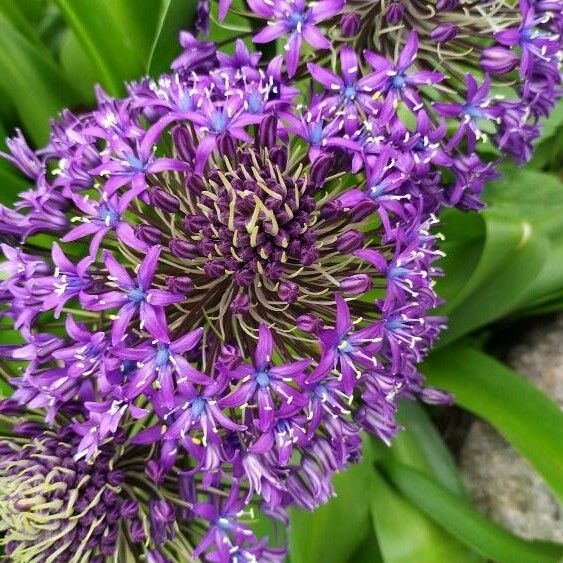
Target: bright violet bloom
x,y
70,281
134,297
159,361
477,107
395,82
346,90
297,19
260,380
351,351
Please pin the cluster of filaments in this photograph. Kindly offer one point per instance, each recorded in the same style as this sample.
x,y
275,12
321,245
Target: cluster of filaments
x,y
386,23
57,509
54,508
251,244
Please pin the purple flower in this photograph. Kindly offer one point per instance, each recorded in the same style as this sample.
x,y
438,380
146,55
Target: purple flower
x,y
134,297
345,348
261,380
70,281
22,156
348,89
98,219
198,408
394,81
477,107
297,19
160,361
531,39
215,122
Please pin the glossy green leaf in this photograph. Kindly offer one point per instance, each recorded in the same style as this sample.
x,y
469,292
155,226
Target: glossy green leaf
x,y
75,62
406,534
464,238
33,81
513,256
175,15
529,195
527,418
334,531
420,445
116,35
462,520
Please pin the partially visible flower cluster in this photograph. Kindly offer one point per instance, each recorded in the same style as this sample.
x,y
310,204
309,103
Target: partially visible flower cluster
x,y
222,279
474,71
54,507
248,287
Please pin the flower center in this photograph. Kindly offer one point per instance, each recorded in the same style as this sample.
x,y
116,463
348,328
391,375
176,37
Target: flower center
x,y
162,356
198,406
398,81
263,379
136,295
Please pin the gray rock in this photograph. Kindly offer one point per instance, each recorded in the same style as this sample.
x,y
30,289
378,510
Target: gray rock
x,y
501,483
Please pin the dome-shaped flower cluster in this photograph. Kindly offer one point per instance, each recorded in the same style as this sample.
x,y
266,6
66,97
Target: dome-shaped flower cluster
x,y
238,282
448,75
220,280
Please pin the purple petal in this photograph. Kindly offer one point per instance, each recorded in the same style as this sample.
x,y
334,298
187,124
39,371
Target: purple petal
x,y
291,369
325,9
186,342
238,397
80,232
148,266
292,48
204,150
348,64
408,53
117,271
261,8
163,298
126,235
314,37
121,322
264,348
325,77
263,444
270,33
343,321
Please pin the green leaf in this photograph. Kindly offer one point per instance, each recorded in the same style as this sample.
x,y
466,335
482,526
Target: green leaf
x,y
529,195
406,534
334,531
527,418
464,237
513,255
175,15
33,82
115,34
462,520
75,62
420,445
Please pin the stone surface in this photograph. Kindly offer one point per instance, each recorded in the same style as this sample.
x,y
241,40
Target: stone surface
x,y
501,482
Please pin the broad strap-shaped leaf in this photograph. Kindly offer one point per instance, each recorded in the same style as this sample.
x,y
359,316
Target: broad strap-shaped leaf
x,y
420,445
458,517
174,16
115,34
405,533
526,417
33,82
513,255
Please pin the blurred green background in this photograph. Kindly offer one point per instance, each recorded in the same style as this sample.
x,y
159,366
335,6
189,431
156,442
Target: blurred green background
x,y
504,268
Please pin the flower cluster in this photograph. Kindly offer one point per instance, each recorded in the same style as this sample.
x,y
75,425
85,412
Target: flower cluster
x,y
56,508
219,281
470,71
